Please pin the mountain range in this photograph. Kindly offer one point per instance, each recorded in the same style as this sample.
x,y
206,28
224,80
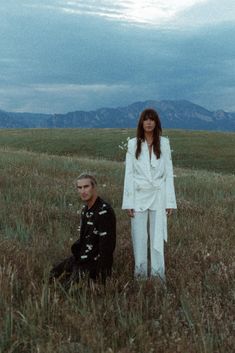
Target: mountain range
x,y
180,114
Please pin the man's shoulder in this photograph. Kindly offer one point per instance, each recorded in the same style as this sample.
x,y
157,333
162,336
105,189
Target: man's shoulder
x,y
103,206
104,214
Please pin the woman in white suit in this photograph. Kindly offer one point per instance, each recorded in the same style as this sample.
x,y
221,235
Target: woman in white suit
x,y
149,192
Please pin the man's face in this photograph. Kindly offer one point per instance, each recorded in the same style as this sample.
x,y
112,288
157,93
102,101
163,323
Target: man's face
x,y
86,190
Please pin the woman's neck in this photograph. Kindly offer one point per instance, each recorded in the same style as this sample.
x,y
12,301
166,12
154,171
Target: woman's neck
x,y
148,136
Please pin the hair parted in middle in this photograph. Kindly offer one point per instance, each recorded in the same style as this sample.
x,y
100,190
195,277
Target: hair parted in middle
x,y
149,113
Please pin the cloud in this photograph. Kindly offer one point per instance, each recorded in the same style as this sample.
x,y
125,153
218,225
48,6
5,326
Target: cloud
x,y
52,61
148,12
208,13
61,98
155,13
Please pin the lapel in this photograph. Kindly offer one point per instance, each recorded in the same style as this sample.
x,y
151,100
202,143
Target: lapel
x,y
146,159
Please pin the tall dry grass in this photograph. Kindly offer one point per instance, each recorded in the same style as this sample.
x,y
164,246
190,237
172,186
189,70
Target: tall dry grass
x,y
194,312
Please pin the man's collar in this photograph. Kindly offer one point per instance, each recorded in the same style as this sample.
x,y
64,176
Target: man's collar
x,y
94,204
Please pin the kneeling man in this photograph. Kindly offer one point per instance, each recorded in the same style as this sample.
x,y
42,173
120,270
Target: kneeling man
x,y
92,253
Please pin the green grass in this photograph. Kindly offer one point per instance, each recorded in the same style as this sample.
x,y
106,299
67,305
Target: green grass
x,y
192,149
38,223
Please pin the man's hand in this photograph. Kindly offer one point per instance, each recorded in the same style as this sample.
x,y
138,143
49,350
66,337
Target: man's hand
x,y
169,211
131,212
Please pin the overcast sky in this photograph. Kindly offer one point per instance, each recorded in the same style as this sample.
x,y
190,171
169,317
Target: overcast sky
x,y
60,55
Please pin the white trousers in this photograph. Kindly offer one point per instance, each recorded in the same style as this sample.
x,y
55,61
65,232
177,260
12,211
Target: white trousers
x,y
139,232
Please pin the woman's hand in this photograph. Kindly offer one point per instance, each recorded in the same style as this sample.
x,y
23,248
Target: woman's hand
x,y
169,211
131,212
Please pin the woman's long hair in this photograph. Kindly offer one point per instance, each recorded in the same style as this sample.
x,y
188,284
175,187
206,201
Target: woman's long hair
x,y
151,114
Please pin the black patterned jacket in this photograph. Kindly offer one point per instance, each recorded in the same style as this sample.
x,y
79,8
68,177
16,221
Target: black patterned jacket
x,y
95,247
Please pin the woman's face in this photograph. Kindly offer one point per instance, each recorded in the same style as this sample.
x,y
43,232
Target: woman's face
x,y
149,124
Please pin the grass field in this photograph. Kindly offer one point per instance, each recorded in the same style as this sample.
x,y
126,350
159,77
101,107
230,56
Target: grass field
x,y
39,220
192,149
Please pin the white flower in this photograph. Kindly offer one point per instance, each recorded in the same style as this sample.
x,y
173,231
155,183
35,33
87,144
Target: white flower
x,y
124,144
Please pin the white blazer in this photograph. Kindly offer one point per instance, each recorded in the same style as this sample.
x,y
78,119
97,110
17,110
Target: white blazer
x,y
149,183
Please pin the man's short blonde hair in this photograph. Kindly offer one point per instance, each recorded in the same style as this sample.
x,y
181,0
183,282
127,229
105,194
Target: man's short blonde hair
x,y
87,176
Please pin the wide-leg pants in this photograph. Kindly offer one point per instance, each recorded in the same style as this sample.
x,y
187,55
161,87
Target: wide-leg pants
x,y
140,233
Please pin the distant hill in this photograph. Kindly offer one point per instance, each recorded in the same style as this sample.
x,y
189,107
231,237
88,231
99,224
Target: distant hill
x,y
174,114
